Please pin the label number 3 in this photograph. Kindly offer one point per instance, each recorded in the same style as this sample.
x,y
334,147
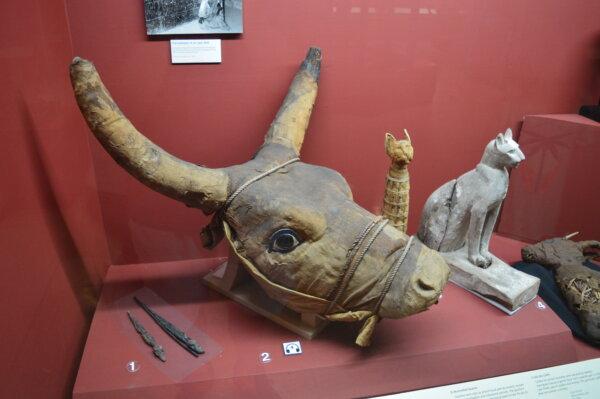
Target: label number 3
x,y
265,357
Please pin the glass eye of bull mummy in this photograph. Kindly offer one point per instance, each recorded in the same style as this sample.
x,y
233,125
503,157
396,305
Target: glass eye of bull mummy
x,y
293,225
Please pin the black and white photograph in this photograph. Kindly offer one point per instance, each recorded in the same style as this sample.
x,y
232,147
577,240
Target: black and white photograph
x,y
184,17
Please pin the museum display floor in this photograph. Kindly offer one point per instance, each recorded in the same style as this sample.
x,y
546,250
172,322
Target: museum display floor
x,y
460,339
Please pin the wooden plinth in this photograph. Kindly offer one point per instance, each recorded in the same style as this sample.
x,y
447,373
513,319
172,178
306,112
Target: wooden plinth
x,y
232,280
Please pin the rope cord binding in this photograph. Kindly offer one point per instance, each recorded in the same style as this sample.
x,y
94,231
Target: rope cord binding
x,y
353,261
366,331
255,179
403,179
349,257
394,203
392,274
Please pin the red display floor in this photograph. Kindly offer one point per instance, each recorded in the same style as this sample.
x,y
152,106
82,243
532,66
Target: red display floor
x,y
462,338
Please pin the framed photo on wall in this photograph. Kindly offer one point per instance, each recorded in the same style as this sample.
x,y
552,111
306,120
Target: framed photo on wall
x,y
185,17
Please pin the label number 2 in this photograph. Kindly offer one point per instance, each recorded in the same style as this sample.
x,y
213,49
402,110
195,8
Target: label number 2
x,y
265,357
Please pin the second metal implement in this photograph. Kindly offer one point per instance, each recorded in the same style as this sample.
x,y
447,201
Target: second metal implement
x,y
179,336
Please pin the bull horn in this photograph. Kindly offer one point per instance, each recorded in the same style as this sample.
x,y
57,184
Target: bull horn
x,y
193,185
292,119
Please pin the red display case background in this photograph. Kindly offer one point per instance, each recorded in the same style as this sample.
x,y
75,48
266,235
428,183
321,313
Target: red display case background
x,y
53,248
453,73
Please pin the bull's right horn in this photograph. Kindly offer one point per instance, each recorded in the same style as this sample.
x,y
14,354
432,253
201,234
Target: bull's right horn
x,y
193,185
290,123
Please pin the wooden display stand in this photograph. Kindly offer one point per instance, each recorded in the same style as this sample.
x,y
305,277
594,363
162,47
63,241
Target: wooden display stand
x,y
233,281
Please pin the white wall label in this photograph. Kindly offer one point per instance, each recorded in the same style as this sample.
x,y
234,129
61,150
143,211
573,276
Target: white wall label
x,y
196,51
570,381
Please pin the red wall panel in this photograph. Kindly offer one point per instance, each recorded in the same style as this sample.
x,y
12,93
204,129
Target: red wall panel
x,y
52,243
551,194
453,73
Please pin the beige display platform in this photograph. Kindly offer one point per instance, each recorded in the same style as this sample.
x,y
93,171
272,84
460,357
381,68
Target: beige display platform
x,y
500,284
232,280
459,339
248,360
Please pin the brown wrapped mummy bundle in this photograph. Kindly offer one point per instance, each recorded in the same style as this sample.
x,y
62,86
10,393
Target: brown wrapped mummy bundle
x,y
579,285
294,225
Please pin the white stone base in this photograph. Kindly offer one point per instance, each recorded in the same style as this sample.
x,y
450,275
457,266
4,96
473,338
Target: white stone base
x,y
500,283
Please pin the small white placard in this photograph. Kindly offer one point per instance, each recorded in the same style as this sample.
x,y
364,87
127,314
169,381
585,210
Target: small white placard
x,y
292,348
196,51
570,381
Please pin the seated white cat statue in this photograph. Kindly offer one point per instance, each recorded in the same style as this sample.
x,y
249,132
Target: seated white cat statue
x,y
458,220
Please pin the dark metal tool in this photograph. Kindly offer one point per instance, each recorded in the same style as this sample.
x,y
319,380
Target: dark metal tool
x,y
148,339
179,336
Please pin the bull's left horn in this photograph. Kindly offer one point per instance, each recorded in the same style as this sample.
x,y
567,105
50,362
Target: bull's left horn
x,y
292,119
193,185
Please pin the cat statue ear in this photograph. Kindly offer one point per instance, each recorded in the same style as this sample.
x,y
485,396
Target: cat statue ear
x,y
500,140
503,138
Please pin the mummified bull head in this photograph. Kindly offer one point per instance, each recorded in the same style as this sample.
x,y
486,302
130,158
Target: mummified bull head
x,y
294,225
